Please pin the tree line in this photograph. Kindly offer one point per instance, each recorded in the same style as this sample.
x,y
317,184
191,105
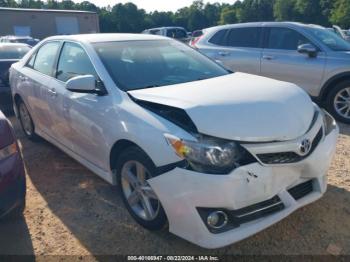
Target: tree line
x,y
129,18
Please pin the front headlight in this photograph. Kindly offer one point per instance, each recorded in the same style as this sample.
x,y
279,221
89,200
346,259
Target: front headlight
x,y
329,122
209,155
8,151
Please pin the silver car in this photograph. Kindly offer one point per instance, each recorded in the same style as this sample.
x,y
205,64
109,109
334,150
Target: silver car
x,y
308,55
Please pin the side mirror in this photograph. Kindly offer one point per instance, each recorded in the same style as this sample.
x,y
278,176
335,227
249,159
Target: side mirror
x,y
308,49
82,84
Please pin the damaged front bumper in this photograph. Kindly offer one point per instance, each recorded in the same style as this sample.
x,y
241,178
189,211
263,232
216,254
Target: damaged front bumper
x,y
254,196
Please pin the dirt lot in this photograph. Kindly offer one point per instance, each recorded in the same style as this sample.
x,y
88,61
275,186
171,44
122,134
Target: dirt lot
x,y
70,211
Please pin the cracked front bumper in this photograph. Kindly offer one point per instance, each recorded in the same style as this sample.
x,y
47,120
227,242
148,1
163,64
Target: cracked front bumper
x,y
182,191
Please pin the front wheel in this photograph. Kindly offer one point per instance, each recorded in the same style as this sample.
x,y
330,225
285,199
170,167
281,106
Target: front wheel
x,y
338,102
134,168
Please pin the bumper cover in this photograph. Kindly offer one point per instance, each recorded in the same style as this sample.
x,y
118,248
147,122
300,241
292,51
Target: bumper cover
x,y
182,191
12,184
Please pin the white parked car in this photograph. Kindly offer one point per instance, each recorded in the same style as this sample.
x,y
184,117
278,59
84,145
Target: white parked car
x,y
216,156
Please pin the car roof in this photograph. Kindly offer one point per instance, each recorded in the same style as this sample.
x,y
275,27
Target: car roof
x,y
17,37
97,38
167,27
295,24
14,45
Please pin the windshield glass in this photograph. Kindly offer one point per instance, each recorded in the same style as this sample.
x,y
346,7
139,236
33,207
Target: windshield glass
x,y
13,52
145,64
330,39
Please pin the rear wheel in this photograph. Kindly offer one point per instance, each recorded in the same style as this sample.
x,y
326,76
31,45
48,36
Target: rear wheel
x,y
134,168
338,102
26,121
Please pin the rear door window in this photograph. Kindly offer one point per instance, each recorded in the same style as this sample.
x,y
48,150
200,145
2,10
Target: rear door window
x,y
73,62
46,57
244,37
285,39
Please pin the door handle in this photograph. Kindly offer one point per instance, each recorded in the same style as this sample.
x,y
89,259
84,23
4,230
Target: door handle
x,y
223,53
52,92
23,78
268,57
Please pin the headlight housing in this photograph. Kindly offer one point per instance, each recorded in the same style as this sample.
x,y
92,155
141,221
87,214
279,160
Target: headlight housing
x,y
329,122
210,155
8,151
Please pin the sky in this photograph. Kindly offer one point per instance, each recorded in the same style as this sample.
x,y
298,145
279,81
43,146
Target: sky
x,y
152,5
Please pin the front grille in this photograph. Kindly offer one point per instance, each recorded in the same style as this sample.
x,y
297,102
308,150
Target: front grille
x,y
301,190
289,157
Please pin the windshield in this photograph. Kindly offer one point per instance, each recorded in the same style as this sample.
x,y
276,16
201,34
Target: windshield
x,y
145,64
13,52
330,39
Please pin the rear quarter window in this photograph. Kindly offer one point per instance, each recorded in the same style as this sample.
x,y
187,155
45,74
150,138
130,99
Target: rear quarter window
x,y
219,38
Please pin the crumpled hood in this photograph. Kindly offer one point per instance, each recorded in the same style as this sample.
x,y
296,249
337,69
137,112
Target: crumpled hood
x,y
239,107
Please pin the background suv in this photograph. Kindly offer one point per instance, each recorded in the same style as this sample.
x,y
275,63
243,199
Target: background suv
x,y
308,55
175,32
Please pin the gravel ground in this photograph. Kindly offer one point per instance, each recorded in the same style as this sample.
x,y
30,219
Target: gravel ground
x,y
70,211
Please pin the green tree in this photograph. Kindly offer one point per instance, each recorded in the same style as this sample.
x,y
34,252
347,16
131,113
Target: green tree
x,y
310,12
158,19
87,6
340,15
228,16
256,10
284,10
212,13
8,3
128,18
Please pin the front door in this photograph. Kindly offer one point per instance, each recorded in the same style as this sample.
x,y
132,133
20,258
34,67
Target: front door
x,y
281,60
79,116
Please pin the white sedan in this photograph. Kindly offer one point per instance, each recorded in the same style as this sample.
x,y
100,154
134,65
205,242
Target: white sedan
x,y
215,155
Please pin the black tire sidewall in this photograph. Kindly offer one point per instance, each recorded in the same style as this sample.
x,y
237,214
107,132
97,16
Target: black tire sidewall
x,y
134,153
32,135
330,101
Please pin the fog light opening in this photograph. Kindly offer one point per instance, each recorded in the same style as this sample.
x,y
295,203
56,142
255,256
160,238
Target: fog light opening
x,y
217,219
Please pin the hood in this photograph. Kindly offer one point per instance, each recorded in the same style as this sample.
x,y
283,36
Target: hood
x,y
239,107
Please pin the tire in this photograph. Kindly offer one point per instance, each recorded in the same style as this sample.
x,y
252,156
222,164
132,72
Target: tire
x,y
129,160
334,102
26,121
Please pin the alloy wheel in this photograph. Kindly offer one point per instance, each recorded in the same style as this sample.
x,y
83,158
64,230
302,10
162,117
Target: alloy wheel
x,y
342,102
139,195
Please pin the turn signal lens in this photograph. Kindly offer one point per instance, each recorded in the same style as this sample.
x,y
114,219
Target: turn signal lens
x,y
8,151
179,146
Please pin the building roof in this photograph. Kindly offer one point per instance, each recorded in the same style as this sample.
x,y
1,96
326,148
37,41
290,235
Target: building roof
x,y
44,10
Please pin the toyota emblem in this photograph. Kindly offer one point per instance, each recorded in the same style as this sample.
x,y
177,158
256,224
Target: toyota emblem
x,y
305,147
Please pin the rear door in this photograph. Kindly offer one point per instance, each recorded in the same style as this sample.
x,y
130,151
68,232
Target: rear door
x,y
240,49
35,79
282,61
